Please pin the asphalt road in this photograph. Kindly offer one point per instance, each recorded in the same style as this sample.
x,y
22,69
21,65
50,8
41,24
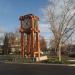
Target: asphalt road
x,y
35,69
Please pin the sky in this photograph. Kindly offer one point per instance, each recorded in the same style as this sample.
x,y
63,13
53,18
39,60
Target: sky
x,y
11,10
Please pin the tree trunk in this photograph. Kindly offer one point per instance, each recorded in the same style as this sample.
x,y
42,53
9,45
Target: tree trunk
x,y
59,52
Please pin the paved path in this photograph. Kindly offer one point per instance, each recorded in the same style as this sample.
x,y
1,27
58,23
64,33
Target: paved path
x,y
36,69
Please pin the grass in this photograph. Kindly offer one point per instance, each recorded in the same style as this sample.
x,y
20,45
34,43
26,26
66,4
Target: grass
x,y
52,60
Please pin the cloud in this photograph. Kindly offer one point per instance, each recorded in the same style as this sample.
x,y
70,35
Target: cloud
x,y
44,28
45,31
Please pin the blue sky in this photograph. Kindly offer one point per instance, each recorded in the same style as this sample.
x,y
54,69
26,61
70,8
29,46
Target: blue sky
x,y
10,10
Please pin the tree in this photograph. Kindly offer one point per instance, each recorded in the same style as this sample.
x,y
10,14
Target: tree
x,y
6,46
43,44
60,15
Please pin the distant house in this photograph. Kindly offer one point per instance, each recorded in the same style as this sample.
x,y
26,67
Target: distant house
x,y
72,51
1,49
65,50
1,44
68,50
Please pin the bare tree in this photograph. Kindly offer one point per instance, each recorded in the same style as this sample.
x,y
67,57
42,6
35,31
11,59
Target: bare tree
x,y
60,15
43,44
